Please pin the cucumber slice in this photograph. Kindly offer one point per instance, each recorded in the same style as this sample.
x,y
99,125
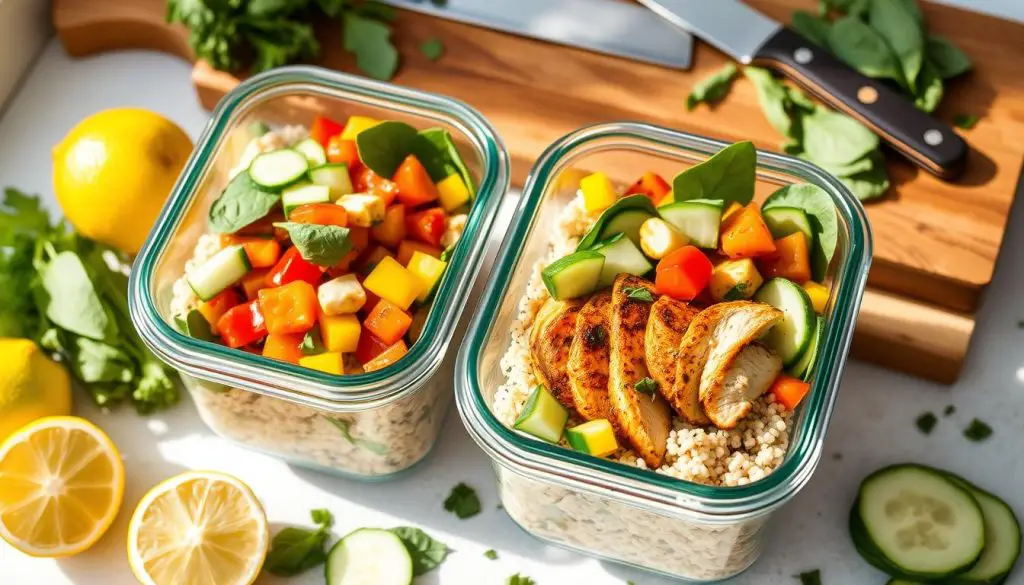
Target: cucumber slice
x,y
594,437
802,368
335,177
863,544
1002,539
278,168
699,219
635,210
782,221
369,556
313,152
542,416
195,325
304,194
574,275
792,337
922,523
224,269
620,256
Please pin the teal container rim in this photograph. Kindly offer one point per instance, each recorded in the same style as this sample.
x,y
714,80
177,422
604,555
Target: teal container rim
x,y
211,361
553,464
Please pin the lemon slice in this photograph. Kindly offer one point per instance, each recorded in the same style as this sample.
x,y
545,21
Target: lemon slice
x,y
199,528
61,483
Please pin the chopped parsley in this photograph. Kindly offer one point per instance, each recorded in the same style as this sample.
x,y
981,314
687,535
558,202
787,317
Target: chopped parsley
x,y
463,502
518,579
978,431
639,294
432,48
926,422
737,293
949,410
491,554
646,386
810,577
965,121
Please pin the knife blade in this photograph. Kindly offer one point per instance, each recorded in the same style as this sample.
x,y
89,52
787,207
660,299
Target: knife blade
x,y
610,27
752,38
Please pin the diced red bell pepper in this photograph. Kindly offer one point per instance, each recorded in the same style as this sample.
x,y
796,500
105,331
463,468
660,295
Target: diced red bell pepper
x,y
320,214
415,187
683,273
215,308
292,267
369,347
283,347
387,322
367,181
426,226
324,129
291,308
789,391
344,151
387,357
652,185
242,325
391,231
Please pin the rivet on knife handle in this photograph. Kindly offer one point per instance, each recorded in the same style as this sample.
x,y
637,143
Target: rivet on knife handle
x,y
923,139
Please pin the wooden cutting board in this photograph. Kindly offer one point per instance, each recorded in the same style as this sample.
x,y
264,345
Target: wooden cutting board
x,y
936,243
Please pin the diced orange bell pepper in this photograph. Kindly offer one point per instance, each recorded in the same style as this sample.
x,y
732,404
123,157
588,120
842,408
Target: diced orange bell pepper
x,y
732,209
408,247
283,346
791,259
291,308
745,235
262,252
215,308
253,282
683,273
344,151
426,226
387,322
360,238
789,391
242,325
366,181
323,129
292,267
391,231
320,214
387,357
370,260
369,347
652,185
415,187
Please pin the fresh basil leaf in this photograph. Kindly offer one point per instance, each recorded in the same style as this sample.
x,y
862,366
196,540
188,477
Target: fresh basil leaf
x,y
713,87
965,121
73,302
899,23
384,147
370,41
323,245
728,175
926,422
437,152
294,550
813,28
462,501
871,183
978,431
427,554
646,386
929,89
861,47
312,342
639,294
432,48
948,59
835,139
774,99
821,212
241,203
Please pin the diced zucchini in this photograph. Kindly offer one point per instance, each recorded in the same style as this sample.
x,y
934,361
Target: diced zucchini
x,y
634,211
278,168
335,177
803,367
658,238
574,275
621,256
195,325
222,270
782,221
594,437
792,337
542,416
698,219
304,194
735,280
313,152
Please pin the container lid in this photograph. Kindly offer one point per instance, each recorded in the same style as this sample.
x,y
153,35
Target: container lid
x,y
312,86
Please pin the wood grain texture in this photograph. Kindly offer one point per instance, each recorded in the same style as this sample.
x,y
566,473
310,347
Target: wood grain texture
x,y
935,242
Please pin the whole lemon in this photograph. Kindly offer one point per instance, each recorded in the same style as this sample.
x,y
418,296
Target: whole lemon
x,y
113,172
31,385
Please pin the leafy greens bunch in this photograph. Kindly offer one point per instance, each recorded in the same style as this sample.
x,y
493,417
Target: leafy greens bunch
x,y
68,294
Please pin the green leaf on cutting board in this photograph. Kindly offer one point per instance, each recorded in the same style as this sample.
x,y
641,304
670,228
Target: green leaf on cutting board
x,y
863,48
899,23
774,99
432,48
835,138
370,41
728,175
948,59
965,121
929,89
813,28
713,87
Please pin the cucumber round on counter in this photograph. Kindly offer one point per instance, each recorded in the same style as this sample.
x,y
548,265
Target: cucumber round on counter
x,y
369,556
278,168
223,269
782,221
698,219
791,338
621,256
314,153
919,522
1002,539
574,275
625,216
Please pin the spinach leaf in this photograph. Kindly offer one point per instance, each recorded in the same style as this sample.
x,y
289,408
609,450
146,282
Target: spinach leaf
x,y
800,99
712,88
835,138
851,7
241,203
861,47
948,59
294,550
965,121
384,147
978,431
843,170
821,212
427,554
774,99
73,302
899,23
432,48
370,41
728,175
868,184
929,89
463,502
813,28
194,325
435,149
323,245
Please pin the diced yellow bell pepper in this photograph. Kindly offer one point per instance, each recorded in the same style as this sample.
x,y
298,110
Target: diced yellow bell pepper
x,y
428,269
595,437
598,192
330,362
819,294
452,192
735,280
340,333
357,124
733,208
392,281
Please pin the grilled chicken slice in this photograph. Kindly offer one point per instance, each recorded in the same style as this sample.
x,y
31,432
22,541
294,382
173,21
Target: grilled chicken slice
x,y
665,331
643,419
550,340
741,322
588,358
730,394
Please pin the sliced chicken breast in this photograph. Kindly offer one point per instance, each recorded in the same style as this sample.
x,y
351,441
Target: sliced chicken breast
x,y
589,358
665,330
730,394
550,340
644,419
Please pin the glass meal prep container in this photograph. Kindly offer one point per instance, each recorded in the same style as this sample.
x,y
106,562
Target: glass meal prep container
x,y
368,426
618,511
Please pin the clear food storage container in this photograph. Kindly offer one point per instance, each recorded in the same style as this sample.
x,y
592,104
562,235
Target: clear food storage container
x,y
617,509
365,425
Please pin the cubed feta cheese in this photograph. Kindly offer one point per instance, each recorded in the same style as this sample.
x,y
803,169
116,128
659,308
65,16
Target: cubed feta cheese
x,y
364,210
341,295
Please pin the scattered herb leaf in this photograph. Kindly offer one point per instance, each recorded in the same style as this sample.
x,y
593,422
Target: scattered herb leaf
x,y
737,293
518,579
810,577
646,386
774,99
313,342
728,175
712,88
432,48
813,28
462,501
948,59
426,552
241,203
978,431
323,245
295,550
638,293
899,23
965,121
370,41
384,147
949,410
926,422
858,45
491,554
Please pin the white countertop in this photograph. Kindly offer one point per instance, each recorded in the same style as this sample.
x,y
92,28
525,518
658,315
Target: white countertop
x,y
873,423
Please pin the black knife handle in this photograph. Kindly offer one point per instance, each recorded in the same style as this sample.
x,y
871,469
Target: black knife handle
x,y
929,143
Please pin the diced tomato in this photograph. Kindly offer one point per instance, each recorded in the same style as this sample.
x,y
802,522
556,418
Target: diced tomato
x,y
367,181
789,391
344,151
214,308
426,226
407,247
242,325
324,129
387,357
254,281
683,273
291,267
369,347
391,231
320,214
652,185
388,322
415,187
291,308
283,346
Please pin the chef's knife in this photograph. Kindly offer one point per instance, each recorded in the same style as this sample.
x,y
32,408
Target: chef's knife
x,y
752,38
604,26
